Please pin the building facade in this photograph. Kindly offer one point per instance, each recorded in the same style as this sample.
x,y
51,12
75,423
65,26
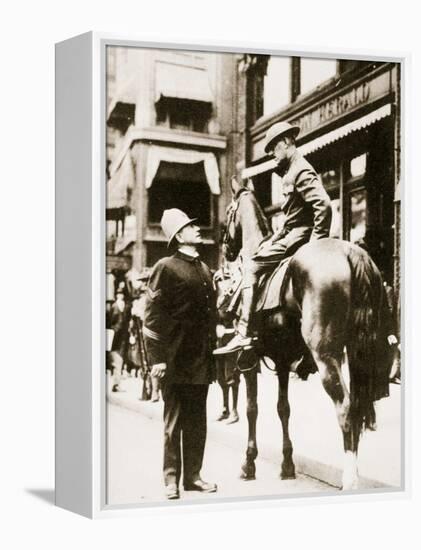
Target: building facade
x,y
169,143
181,123
349,115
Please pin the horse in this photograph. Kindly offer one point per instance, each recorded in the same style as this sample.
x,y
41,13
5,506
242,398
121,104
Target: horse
x,y
332,308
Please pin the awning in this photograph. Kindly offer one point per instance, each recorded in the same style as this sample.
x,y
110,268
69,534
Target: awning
x,y
179,81
157,154
345,130
119,183
126,92
258,169
321,141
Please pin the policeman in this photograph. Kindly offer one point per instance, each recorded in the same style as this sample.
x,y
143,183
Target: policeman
x,y
179,330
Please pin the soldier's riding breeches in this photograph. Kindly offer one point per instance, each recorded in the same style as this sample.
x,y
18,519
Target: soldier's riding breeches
x,y
270,256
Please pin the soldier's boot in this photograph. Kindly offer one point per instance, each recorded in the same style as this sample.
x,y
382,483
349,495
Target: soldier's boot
x,y
243,339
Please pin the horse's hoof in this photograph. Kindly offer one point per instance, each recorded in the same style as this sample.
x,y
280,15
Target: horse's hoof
x,y
284,477
288,473
247,477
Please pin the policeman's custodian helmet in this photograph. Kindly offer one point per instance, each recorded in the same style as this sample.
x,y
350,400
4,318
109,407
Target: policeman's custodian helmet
x,y
277,131
172,221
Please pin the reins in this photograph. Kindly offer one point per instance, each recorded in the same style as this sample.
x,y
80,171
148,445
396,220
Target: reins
x,y
263,358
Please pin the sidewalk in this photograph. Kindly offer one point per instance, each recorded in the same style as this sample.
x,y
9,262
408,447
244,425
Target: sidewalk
x,y
314,430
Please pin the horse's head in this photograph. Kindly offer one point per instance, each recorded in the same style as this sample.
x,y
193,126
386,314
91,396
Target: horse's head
x,y
232,242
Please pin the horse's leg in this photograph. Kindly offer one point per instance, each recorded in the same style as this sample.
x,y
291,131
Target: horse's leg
x,y
288,469
248,469
234,389
233,416
225,401
331,375
351,441
154,389
225,398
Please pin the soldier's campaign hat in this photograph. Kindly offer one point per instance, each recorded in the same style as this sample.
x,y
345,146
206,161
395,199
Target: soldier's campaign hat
x,y
172,221
278,130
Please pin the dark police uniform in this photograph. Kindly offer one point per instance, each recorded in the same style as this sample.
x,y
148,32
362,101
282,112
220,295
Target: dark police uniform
x,y
179,330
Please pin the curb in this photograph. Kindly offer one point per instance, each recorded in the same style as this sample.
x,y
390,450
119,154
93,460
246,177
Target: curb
x,y
306,465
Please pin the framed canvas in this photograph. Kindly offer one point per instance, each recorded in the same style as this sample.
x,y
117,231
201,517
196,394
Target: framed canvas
x,y
229,266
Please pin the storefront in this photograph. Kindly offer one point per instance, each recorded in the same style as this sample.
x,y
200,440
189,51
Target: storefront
x,y
349,133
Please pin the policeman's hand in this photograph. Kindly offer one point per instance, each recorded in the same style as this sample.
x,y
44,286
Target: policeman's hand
x,y
158,370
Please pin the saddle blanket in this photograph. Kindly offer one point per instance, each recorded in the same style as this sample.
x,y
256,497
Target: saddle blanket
x,y
271,291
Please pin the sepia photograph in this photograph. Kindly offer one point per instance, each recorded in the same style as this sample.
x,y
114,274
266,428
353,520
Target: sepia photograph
x,y
253,276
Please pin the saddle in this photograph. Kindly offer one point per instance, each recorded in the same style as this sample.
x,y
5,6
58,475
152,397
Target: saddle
x,y
270,290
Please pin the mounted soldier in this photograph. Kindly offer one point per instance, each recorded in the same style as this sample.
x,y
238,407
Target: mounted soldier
x,y
326,299
308,217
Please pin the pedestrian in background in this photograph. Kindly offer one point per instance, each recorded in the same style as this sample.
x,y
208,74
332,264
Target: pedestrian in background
x,y
150,384
119,317
392,326
179,331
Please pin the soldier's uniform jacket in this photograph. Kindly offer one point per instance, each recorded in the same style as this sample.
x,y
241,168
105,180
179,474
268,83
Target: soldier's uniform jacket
x,y
179,325
307,205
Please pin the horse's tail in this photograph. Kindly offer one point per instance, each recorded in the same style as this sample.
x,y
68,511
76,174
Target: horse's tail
x,y
367,345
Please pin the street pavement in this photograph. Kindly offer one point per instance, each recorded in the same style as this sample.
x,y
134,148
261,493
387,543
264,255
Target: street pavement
x,y
135,445
316,437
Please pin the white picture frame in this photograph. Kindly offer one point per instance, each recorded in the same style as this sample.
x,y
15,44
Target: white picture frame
x,y
80,274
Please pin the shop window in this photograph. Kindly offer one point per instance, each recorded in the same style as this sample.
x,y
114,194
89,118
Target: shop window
x,y
184,186
357,215
315,72
330,179
336,225
331,182
276,84
358,166
183,114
